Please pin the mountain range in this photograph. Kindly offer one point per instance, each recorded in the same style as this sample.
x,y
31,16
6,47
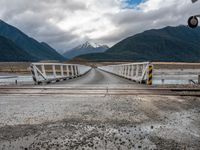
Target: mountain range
x,y
20,43
9,51
86,48
177,44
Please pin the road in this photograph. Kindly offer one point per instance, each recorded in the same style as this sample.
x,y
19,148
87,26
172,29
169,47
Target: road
x,y
103,122
98,77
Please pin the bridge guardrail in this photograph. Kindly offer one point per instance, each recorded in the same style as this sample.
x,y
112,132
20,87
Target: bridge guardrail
x,y
155,73
139,72
51,72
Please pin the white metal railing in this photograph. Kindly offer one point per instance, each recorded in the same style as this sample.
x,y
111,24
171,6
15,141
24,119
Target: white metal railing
x,y
49,72
157,73
134,71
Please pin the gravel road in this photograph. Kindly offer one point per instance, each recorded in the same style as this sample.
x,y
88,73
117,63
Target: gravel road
x,y
108,122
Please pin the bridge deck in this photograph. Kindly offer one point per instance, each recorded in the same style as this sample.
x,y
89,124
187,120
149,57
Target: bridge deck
x,y
98,77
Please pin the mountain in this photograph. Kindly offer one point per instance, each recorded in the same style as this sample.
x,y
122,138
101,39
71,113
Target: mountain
x,y
178,44
41,51
9,51
85,48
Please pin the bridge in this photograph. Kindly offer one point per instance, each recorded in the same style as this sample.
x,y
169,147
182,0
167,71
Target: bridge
x,y
72,106
143,72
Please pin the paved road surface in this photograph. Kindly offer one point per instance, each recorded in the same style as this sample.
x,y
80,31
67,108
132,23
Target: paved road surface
x,y
99,78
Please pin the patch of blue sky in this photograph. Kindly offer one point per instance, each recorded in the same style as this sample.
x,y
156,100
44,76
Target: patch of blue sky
x,y
132,3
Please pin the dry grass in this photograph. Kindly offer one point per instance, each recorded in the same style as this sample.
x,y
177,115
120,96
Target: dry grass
x,y
14,67
22,67
173,65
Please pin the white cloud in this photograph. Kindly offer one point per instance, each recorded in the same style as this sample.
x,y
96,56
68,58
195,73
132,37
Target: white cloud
x,y
66,23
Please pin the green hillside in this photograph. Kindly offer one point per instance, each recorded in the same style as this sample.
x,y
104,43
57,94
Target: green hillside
x,y
41,51
9,51
178,44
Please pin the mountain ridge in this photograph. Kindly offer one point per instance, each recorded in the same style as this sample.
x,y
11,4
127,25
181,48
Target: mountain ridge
x,y
29,44
167,44
85,48
9,51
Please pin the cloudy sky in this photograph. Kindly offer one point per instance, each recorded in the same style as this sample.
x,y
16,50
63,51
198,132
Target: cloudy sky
x,y
66,23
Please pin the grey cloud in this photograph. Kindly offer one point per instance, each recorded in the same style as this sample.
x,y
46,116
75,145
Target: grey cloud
x,y
35,19
130,21
32,17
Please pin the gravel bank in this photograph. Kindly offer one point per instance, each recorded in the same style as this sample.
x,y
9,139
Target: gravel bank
x,y
110,122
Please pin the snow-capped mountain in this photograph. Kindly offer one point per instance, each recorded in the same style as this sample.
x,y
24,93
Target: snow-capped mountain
x,y
91,45
86,48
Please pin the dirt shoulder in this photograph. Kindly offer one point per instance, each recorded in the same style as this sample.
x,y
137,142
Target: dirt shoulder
x,y
111,122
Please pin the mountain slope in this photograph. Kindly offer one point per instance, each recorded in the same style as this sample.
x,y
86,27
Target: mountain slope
x,y
9,51
168,44
30,45
86,48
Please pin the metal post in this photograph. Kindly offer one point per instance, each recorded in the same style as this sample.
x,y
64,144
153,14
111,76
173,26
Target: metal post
x,y
150,75
125,71
132,71
76,70
15,82
198,79
34,74
67,70
72,70
121,70
62,72
128,71
54,71
43,70
137,71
